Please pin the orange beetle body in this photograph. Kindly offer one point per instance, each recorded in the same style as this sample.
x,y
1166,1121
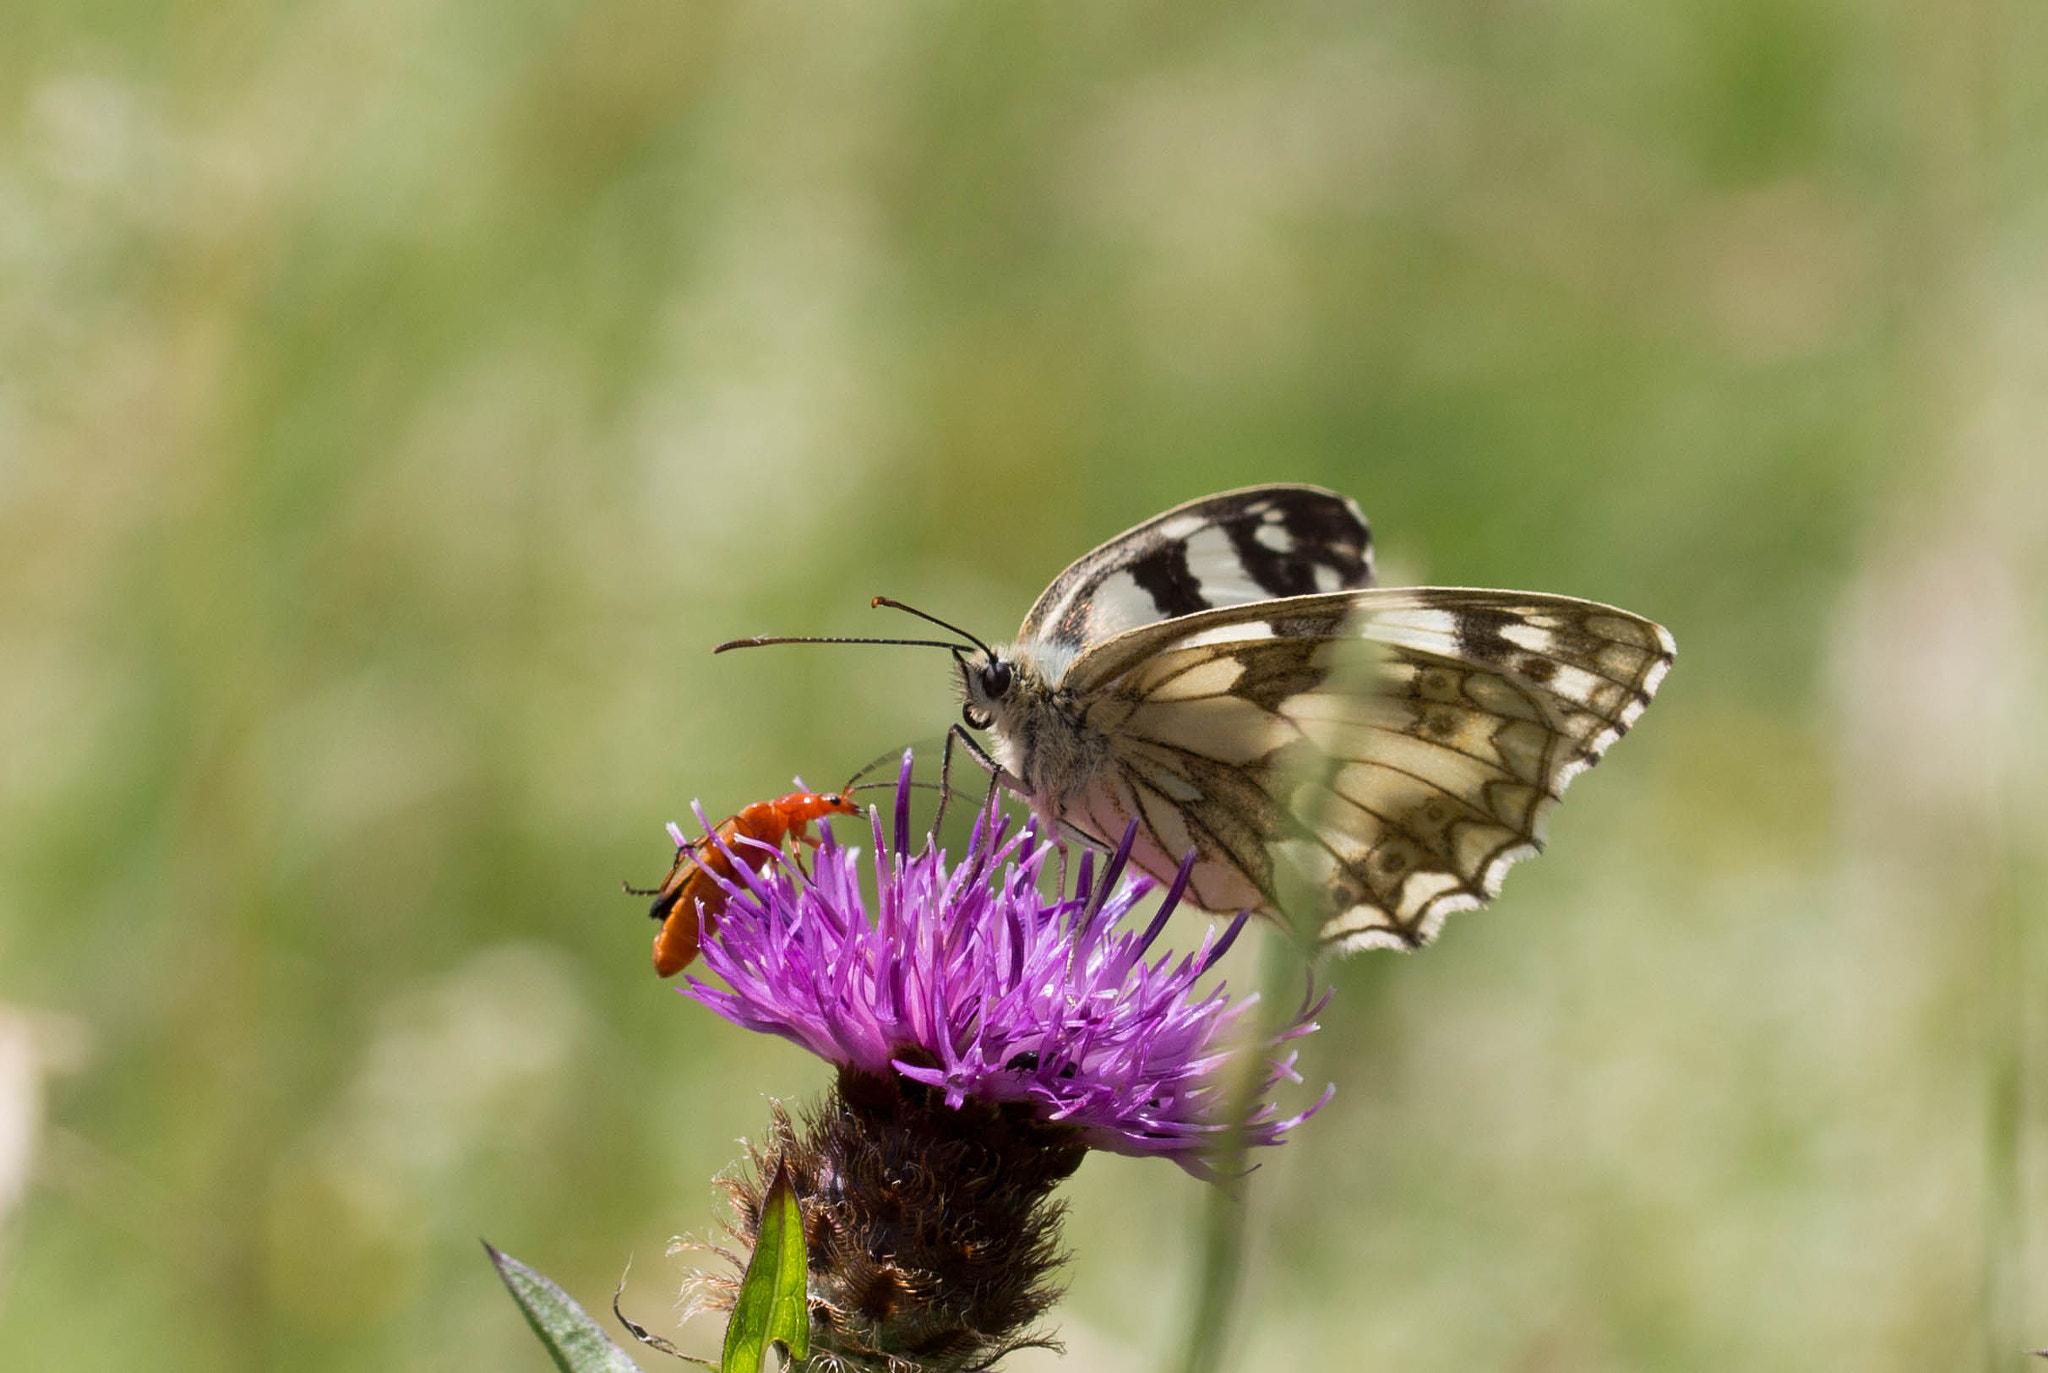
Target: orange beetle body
x,y
689,902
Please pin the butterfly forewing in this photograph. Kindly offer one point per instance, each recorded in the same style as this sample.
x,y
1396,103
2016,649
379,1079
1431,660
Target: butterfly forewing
x,y
1236,548
1401,746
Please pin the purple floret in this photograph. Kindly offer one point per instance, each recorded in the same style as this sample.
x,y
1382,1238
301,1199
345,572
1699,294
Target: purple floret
x,y
967,978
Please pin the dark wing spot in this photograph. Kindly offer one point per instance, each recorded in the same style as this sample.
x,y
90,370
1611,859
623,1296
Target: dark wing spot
x,y
1307,626
1480,637
1165,576
1337,538
1438,684
1441,723
1320,533
1537,669
1287,571
1278,671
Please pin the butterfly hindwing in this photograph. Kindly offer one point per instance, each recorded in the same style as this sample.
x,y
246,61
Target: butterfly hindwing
x,y
1402,746
1235,548
1485,705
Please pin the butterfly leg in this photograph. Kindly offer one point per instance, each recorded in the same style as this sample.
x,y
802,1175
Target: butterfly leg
x,y
997,777
998,782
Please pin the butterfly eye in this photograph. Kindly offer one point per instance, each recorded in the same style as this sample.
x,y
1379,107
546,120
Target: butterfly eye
x,y
995,679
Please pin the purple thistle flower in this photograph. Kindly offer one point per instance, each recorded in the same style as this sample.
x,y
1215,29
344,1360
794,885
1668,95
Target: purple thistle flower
x,y
969,980
987,1036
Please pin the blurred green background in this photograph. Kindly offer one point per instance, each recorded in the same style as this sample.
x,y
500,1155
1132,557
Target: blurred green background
x,y
399,397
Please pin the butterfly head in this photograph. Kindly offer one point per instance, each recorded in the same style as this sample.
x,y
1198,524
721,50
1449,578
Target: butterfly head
x,y
1005,683
985,687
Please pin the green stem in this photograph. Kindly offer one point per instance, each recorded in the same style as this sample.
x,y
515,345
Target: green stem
x,y
1219,1280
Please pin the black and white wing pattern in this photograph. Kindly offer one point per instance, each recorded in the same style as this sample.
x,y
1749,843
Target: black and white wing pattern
x,y
1226,675
1235,548
1402,746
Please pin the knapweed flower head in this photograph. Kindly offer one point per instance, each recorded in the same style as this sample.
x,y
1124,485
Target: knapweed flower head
x,y
987,1036
969,980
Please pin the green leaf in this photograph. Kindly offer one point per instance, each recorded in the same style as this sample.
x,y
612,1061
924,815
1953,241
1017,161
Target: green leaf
x,y
774,1300
573,1340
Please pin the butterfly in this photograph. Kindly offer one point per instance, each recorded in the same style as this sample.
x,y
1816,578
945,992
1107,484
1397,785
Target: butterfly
x,y
1227,675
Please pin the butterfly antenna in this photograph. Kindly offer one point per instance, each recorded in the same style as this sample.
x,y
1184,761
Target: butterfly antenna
x,y
762,641
931,619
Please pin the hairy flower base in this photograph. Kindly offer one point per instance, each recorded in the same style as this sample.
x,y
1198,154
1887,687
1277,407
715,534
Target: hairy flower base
x,y
931,1230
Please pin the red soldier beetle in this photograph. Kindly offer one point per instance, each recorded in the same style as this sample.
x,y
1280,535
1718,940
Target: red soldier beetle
x,y
689,901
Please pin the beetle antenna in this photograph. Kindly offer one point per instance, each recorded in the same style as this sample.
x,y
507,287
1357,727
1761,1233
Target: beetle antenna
x,y
854,780
851,787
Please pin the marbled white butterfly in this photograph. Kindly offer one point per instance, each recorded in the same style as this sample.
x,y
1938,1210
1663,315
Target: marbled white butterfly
x,y
1227,675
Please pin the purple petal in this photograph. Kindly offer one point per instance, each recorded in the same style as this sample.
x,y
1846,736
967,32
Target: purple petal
x,y
969,979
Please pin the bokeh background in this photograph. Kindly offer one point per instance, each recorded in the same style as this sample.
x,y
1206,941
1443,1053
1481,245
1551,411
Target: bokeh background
x,y
399,397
